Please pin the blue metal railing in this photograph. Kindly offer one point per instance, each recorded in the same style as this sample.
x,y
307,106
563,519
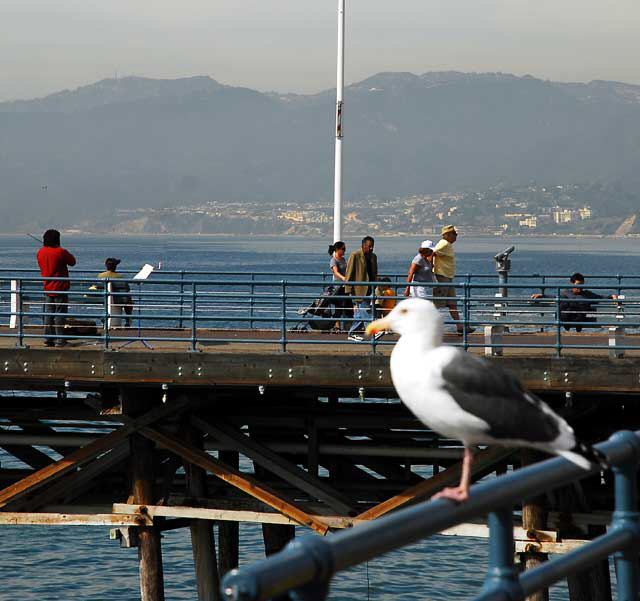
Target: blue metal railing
x,y
306,566
197,309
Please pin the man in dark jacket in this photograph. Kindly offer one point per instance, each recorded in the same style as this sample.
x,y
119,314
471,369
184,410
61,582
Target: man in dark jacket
x,y
53,261
362,267
578,303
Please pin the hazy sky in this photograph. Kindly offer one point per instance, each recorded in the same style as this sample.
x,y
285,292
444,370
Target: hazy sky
x,y
289,45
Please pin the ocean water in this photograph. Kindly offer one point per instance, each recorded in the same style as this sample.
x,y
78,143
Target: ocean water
x,y
81,563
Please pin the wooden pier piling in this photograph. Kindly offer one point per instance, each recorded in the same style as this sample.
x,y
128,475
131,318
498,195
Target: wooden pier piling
x,y
149,537
202,534
228,531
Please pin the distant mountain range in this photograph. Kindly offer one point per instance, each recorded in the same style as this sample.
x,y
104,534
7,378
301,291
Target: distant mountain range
x,y
137,142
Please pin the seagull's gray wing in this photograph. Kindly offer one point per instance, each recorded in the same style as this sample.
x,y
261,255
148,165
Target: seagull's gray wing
x,y
497,397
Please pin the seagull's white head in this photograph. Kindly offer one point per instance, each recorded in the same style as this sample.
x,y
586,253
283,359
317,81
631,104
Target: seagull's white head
x,y
413,317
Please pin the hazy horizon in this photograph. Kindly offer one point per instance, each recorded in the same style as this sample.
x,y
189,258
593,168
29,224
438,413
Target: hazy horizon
x,y
289,46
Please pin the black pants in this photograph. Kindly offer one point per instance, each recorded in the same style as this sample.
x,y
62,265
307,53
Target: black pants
x,y
55,308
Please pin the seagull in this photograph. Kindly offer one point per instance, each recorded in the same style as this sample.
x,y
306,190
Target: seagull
x,y
465,397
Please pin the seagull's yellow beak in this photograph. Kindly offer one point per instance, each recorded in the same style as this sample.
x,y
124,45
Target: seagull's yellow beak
x,y
379,325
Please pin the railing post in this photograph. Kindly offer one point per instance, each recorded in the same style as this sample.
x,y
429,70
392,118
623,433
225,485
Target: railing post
x,y
105,316
20,315
616,333
493,340
15,302
181,320
465,315
251,300
558,325
283,317
626,517
194,330
502,575
110,320
373,316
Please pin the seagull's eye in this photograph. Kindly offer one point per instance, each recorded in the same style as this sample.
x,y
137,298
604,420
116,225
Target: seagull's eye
x,y
404,311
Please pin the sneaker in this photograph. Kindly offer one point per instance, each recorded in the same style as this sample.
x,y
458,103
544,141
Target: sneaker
x,y
61,343
355,338
378,335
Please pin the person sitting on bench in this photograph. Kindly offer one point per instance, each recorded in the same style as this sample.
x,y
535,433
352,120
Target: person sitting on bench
x,y
577,303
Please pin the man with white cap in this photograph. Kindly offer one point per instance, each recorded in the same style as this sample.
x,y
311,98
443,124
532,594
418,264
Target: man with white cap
x,y
444,268
421,271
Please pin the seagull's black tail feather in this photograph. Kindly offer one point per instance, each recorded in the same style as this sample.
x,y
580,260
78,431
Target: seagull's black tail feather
x,y
593,455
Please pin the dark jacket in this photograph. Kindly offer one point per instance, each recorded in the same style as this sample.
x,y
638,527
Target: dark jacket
x,y
357,272
577,307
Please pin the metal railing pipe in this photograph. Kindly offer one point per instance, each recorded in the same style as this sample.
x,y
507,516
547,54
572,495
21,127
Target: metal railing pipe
x,y
283,317
502,575
105,316
19,308
252,301
626,519
180,321
348,548
550,572
194,318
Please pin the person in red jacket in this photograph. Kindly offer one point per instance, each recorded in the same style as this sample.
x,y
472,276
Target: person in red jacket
x,y
53,261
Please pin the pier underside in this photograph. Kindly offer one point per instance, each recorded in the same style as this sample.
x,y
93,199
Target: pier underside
x,y
144,441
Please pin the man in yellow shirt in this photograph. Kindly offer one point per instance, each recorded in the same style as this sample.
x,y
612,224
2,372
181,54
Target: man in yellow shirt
x,y
444,268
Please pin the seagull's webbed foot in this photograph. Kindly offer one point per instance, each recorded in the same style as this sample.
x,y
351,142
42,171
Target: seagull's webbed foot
x,y
459,494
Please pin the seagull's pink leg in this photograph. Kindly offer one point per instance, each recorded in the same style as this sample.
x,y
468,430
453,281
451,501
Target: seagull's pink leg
x,y
461,492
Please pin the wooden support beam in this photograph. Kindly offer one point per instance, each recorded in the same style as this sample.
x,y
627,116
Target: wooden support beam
x,y
528,541
69,486
235,478
534,515
388,468
526,546
149,549
312,448
594,583
28,455
85,454
73,519
203,543
276,537
484,460
229,531
38,428
272,462
202,513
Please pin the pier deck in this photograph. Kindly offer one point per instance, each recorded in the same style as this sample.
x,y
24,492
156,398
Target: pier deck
x,y
255,357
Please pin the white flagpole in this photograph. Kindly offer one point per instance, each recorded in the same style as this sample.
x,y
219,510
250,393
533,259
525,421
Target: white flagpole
x,y
337,191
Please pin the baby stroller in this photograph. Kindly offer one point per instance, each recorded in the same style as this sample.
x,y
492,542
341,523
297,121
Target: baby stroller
x,y
324,311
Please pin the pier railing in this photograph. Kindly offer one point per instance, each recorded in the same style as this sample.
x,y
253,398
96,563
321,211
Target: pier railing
x,y
302,309
306,566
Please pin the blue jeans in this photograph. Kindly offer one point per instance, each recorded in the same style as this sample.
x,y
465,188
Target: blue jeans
x,y
361,316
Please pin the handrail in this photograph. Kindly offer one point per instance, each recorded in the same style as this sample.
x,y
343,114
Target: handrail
x,y
307,565
204,307
6,273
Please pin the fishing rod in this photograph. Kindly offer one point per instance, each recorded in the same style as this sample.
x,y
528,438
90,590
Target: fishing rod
x,y
36,239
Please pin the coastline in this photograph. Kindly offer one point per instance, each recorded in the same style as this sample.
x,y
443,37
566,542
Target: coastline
x,y
391,236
